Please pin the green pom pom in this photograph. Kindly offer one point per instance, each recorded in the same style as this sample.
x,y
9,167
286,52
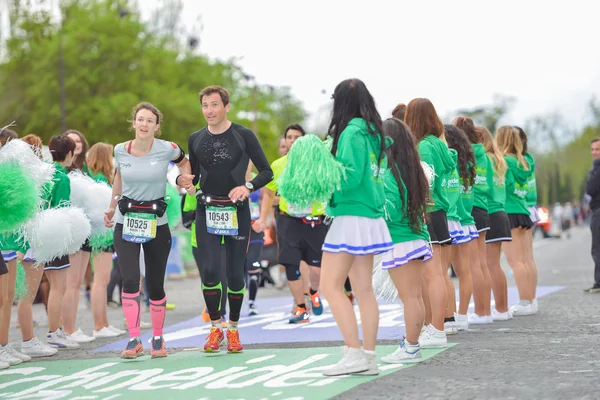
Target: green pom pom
x,y
99,242
21,282
312,173
173,206
19,197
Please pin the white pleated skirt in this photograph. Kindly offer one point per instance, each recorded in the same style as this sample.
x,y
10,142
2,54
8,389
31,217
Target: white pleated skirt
x,y
404,252
358,236
455,229
468,233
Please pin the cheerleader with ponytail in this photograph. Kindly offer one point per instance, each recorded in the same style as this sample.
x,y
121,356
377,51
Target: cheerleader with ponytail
x,y
101,171
31,346
499,228
465,175
406,192
80,259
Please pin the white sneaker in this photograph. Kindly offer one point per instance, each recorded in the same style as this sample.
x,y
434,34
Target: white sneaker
x,y
523,308
4,365
104,333
450,328
500,316
23,357
79,337
406,353
116,330
535,305
59,340
490,319
372,363
6,357
475,319
424,329
433,339
34,348
462,322
353,362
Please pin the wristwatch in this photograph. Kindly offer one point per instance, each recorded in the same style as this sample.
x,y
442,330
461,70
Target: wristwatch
x,y
250,186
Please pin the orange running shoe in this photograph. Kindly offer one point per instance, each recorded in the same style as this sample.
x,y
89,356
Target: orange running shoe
x,y
133,350
214,340
205,315
233,341
158,348
300,316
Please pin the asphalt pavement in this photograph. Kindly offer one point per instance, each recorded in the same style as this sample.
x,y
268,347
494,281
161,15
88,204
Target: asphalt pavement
x,y
552,355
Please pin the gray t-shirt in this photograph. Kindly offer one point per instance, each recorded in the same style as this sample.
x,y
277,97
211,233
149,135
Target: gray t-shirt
x,y
145,178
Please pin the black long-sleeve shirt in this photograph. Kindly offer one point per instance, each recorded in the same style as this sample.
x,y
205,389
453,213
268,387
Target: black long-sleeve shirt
x,y
593,186
220,161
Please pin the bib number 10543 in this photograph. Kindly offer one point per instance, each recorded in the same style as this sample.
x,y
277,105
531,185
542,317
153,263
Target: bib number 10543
x,y
139,227
222,221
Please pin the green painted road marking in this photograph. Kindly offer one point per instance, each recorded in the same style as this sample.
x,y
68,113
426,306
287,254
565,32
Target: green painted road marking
x,y
255,374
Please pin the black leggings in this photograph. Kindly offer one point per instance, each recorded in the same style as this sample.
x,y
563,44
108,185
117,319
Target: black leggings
x,y
156,253
217,253
115,280
196,253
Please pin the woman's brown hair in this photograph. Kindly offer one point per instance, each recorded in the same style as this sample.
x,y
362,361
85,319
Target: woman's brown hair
x,y
79,160
36,144
6,135
100,159
152,108
422,119
399,111
467,125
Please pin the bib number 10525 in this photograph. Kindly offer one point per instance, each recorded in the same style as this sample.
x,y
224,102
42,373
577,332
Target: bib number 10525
x,y
138,227
222,221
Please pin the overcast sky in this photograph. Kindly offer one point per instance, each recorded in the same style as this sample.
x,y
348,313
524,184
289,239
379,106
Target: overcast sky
x,y
456,53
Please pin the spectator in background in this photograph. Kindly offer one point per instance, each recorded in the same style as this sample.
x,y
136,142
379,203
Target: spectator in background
x,y
592,188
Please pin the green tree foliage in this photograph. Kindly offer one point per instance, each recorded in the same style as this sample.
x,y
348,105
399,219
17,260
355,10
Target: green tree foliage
x,y
112,61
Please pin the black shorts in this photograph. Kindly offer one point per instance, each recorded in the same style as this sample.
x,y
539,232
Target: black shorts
x,y
437,225
482,219
255,247
520,221
300,240
58,264
86,246
3,267
499,228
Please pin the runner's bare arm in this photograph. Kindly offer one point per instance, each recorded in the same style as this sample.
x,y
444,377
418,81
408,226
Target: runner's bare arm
x,y
266,205
116,195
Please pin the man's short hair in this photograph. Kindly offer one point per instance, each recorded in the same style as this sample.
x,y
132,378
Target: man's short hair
x,y
215,89
594,140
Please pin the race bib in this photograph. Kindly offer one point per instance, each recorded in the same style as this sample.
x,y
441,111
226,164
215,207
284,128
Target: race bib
x,y
254,211
139,227
222,221
295,211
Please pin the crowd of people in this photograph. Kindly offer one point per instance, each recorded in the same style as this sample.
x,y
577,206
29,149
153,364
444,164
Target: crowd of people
x,y
416,193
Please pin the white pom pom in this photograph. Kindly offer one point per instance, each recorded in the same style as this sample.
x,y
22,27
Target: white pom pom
x,y
429,172
56,232
40,172
383,286
93,197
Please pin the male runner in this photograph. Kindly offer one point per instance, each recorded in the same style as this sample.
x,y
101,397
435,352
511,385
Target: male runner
x,y
300,234
220,154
